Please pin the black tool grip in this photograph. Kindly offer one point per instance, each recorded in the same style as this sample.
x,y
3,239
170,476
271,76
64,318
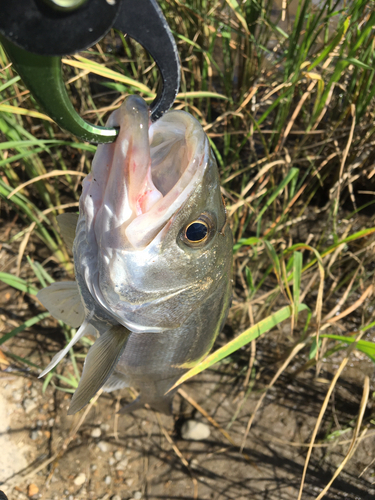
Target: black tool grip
x,y
37,27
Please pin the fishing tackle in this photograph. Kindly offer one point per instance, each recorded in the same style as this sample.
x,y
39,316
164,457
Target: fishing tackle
x,y
37,33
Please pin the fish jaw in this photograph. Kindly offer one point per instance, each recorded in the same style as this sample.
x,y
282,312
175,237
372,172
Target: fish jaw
x,y
120,186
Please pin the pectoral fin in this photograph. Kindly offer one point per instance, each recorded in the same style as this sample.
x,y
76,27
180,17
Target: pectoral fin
x,y
85,329
68,223
100,363
63,301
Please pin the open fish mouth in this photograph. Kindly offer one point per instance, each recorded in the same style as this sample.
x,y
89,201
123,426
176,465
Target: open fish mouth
x,y
138,183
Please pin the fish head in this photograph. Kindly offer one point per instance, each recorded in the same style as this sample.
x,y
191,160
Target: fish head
x,y
156,238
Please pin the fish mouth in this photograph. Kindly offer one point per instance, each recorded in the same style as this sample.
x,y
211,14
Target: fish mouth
x,y
149,173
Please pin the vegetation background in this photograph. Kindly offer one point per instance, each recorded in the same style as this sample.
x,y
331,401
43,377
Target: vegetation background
x,y
285,93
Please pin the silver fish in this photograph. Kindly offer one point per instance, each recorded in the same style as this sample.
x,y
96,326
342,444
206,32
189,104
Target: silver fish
x,y
153,257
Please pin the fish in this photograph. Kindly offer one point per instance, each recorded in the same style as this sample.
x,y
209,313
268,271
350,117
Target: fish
x,y
152,251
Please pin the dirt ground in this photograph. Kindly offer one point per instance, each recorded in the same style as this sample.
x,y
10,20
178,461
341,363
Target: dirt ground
x,y
143,456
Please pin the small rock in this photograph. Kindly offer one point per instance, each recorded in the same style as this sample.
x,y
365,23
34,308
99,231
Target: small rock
x,y
32,490
80,479
193,430
17,395
34,435
108,480
34,392
123,464
96,433
112,461
118,455
105,427
103,446
29,405
51,422
129,481
116,497
93,467
194,464
137,495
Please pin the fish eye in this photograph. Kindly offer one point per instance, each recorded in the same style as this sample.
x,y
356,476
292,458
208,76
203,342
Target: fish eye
x,y
196,231
199,231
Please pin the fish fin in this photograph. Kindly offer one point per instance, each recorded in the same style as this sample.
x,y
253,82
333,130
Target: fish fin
x,y
63,301
85,329
99,364
115,381
162,403
67,223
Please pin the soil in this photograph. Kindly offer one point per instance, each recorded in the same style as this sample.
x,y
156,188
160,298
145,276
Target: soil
x,y
143,455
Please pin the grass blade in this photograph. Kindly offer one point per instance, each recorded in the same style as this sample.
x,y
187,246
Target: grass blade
x,y
297,273
247,336
7,108
18,283
364,346
21,328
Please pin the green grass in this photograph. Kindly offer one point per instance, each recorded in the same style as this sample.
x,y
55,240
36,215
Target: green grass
x,y
289,113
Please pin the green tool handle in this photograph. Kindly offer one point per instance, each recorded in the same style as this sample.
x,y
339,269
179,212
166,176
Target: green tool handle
x,y
42,75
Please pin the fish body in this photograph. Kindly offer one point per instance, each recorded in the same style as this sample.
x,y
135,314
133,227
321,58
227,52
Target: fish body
x,y
153,257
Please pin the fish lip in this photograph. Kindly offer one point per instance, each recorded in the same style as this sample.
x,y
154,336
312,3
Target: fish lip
x,y
133,106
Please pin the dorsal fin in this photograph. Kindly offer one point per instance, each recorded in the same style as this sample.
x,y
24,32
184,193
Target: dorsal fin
x,y
68,223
